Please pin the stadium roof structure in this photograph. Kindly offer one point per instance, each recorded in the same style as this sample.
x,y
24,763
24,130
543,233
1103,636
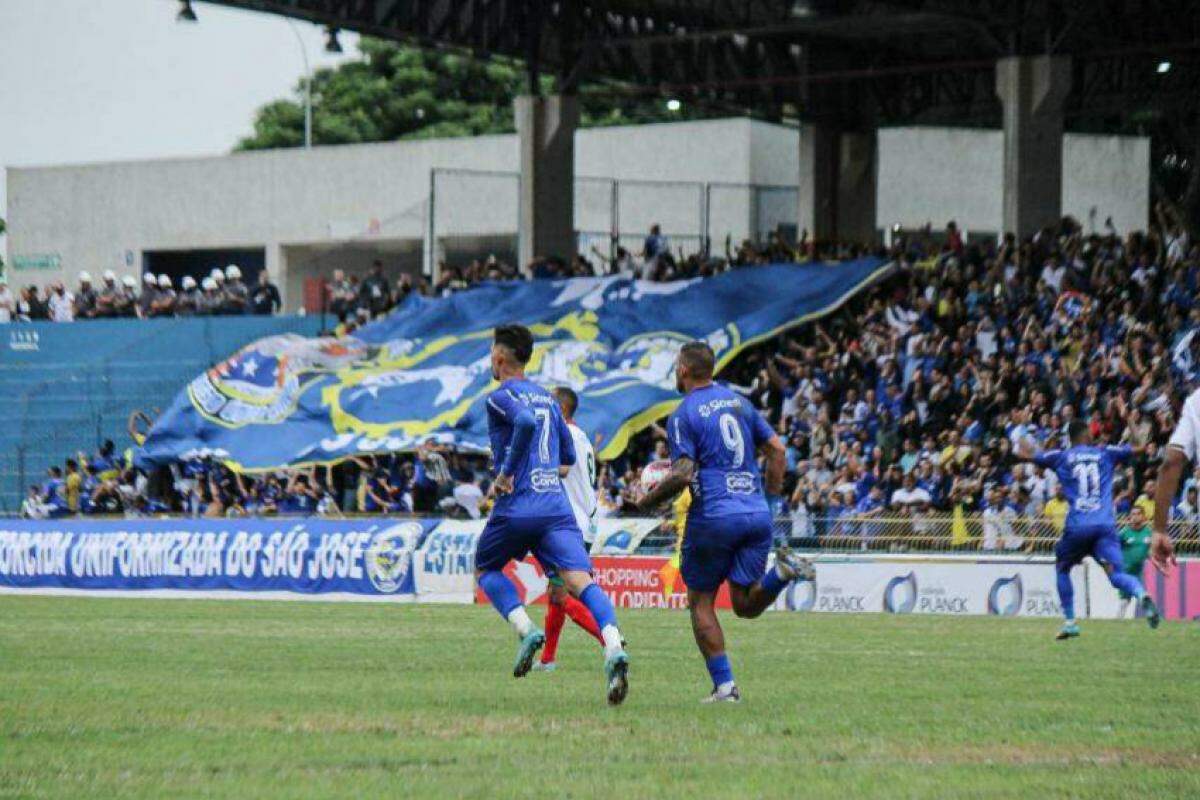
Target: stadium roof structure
x,y
872,62
842,68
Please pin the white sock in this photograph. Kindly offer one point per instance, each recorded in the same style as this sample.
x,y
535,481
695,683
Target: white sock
x,y
612,640
726,687
520,621
1070,621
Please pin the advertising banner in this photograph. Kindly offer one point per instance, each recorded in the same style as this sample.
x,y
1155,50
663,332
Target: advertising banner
x,y
1177,594
367,558
621,535
444,564
629,581
1015,588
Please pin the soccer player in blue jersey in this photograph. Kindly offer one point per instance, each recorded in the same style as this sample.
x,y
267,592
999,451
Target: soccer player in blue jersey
x,y
715,436
1085,472
532,448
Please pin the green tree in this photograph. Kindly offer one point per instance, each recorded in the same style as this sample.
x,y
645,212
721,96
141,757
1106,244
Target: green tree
x,y
2,229
402,92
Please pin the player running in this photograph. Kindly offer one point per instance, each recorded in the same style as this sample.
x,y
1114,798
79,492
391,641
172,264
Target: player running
x,y
1086,472
530,441
714,437
579,482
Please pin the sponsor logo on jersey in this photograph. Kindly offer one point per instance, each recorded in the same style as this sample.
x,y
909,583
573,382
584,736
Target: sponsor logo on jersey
x,y
544,480
740,483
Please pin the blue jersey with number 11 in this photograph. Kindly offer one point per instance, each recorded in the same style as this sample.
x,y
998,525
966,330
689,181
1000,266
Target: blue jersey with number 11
x,y
720,432
1086,475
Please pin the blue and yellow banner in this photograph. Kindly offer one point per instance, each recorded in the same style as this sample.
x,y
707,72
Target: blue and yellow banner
x,y
423,372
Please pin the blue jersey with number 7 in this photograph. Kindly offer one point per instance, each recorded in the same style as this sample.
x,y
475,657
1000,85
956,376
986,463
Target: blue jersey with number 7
x,y
529,441
1086,475
721,433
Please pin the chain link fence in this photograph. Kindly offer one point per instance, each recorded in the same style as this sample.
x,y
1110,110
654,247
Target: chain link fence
x,y
473,213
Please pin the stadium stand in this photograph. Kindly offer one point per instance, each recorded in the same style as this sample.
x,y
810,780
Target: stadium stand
x,y
67,388
898,411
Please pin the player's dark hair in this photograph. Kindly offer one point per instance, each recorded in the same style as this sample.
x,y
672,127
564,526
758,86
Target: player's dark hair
x,y
517,339
1076,429
567,399
698,358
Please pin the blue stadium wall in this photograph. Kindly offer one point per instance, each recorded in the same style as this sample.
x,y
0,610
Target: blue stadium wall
x,y
67,387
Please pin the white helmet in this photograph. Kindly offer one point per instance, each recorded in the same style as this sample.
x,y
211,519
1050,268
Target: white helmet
x,y
129,281
149,278
109,275
85,276
164,281
209,285
189,282
232,272
216,275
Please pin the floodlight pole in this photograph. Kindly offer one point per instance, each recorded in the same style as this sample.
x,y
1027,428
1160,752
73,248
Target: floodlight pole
x,y
307,86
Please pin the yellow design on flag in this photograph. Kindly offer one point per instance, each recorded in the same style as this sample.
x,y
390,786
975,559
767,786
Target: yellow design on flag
x,y
958,528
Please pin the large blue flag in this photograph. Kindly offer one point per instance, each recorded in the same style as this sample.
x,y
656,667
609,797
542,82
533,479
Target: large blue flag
x,y
423,372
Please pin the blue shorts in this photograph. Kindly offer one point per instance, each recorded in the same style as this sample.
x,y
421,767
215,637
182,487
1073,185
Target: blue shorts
x,y
733,548
1101,543
555,541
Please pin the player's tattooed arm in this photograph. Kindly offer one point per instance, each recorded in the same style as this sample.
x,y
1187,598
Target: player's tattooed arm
x,y
776,455
675,482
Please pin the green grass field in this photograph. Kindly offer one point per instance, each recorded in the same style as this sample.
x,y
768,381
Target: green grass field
x,y
146,698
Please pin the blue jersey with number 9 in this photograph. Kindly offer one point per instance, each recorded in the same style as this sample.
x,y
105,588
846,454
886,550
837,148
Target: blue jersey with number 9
x,y
1086,475
721,433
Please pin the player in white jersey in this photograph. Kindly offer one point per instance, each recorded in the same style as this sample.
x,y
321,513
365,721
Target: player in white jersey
x,y
579,481
1182,449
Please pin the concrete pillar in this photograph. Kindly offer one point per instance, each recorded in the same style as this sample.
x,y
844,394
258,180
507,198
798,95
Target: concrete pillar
x,y
546,134
858,174
1032,90
838,183
818,180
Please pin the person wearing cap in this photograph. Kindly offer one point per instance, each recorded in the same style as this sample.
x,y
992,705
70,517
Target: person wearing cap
x,y
235,296
148,296
187,302
210,301
85,298
61,303
108,295
164,303
8,303
265,299
126,304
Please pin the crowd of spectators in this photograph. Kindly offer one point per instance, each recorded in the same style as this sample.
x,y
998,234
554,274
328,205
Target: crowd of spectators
x,y
910,398
905,402
222,292
431,480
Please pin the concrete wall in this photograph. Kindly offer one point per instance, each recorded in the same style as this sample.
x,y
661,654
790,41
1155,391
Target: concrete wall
x,y
937,174
104,216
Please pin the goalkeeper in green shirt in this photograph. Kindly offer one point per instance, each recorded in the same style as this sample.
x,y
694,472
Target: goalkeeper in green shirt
x,y
1135,548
